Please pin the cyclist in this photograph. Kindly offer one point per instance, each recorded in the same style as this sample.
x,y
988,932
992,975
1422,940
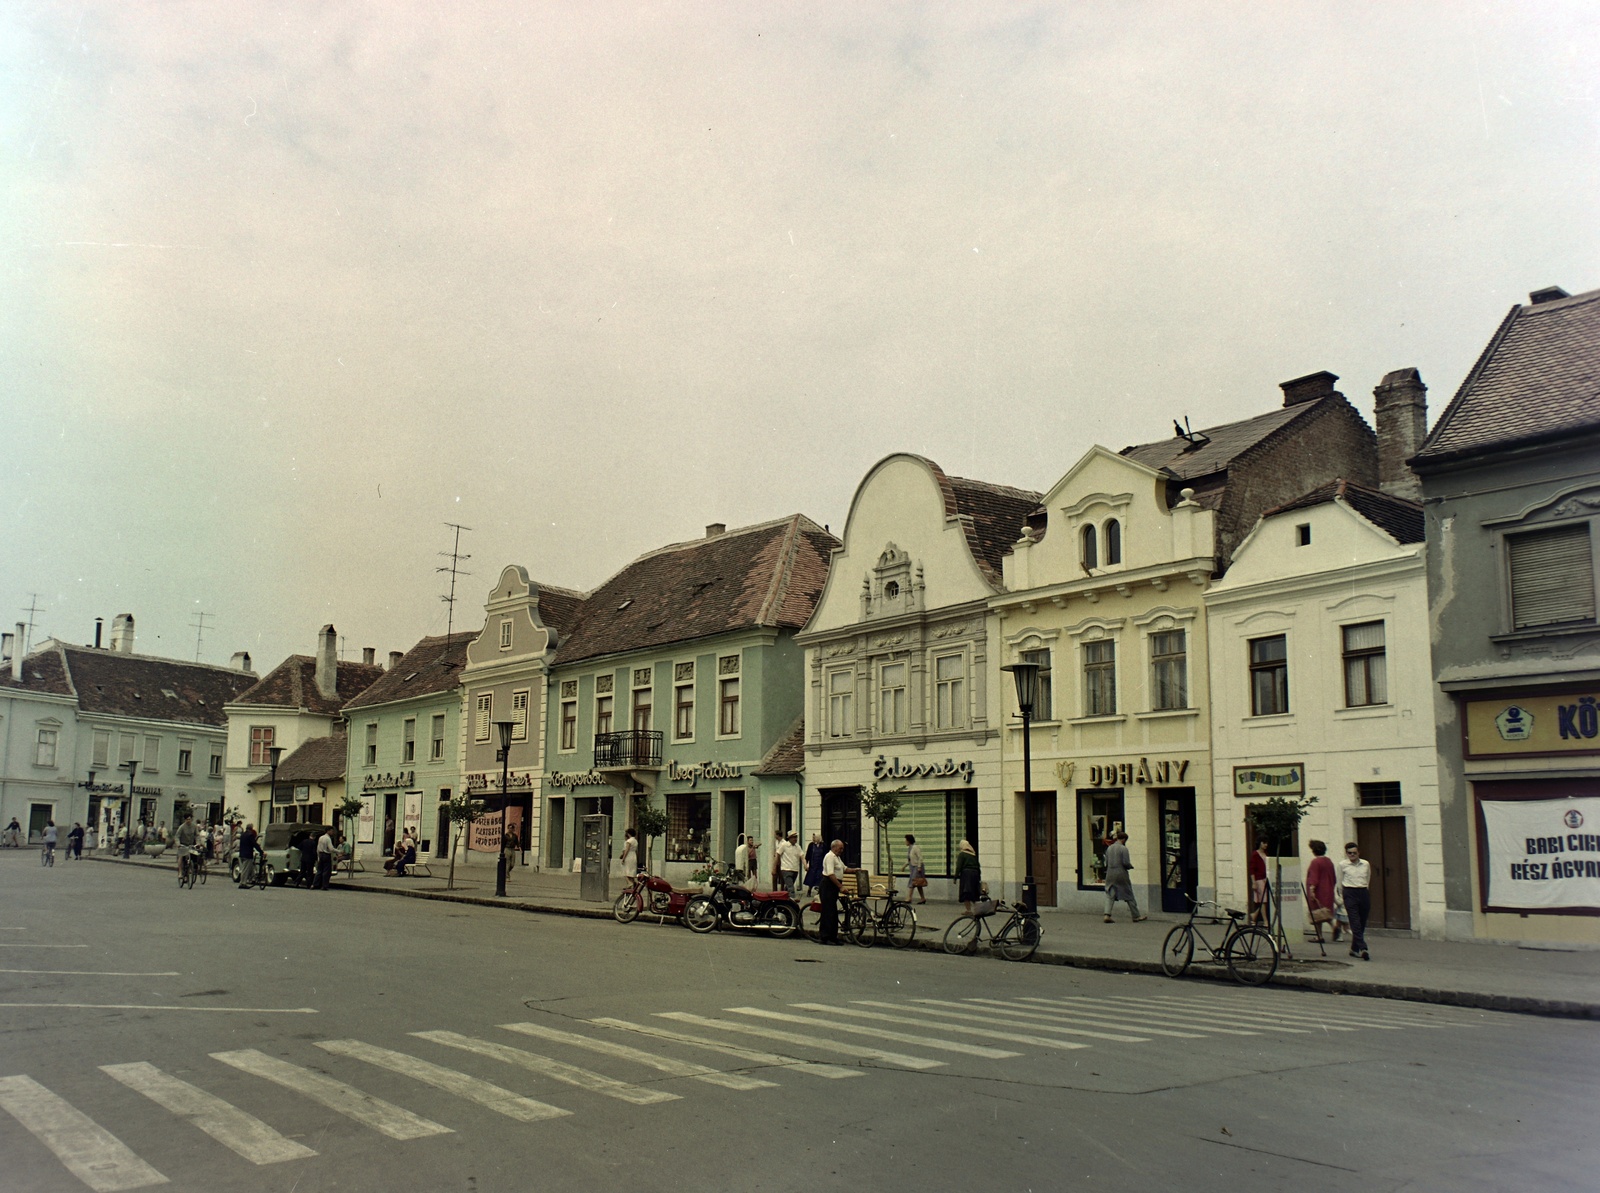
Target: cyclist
x,y
187,836
48,858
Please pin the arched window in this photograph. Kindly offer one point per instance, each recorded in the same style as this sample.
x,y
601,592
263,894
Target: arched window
x,y
1091,558
1113,542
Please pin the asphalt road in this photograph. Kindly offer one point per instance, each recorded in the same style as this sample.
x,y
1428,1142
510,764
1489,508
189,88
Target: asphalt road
x,y
221,1040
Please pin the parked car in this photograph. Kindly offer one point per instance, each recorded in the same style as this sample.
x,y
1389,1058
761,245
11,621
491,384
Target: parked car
x,y
280,846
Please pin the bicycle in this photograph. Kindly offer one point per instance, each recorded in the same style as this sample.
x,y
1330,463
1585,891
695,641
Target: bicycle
x,y
191,869
897,921
1016,940
256,871
854,920
47,854
1248,950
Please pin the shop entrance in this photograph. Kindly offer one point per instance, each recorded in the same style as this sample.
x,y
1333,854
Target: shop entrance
x,y
732,825
841,821
1180,853
1383,843
556,853
1042,860
390,803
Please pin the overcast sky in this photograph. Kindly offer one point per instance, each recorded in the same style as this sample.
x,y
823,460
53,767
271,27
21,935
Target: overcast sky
x,y
289,286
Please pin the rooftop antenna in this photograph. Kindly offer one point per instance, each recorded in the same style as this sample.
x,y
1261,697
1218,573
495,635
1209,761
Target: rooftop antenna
x,y
456,560
32,611
199,624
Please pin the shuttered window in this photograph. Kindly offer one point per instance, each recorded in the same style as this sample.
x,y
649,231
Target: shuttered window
x,y
1552,577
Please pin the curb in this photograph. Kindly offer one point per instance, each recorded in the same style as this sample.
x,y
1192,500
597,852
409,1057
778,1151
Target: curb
x,y
1515,1004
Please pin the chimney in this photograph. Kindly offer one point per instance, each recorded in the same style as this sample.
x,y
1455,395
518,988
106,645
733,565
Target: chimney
x,y
1310,388
327,663
394,658
16,653
99,624
1402,417
122,633
716,528
369,655
5,647
1548,294
240,660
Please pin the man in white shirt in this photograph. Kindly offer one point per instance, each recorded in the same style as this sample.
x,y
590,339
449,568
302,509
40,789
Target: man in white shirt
x,y
790,860
833,869
1355,877
324,861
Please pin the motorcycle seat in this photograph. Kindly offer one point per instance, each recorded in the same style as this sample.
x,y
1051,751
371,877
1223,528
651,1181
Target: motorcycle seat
x,y
770,894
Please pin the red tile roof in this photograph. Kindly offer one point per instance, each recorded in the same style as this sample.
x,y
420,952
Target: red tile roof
x,y
1395,516
433,665
293,684
788,756
993,515
133,685
45,670
319,760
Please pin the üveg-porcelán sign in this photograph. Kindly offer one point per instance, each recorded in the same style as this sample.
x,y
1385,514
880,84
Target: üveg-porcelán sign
x,y
1542,854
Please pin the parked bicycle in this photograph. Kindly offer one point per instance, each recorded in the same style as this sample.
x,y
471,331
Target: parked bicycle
x,y
1016,940
1248,950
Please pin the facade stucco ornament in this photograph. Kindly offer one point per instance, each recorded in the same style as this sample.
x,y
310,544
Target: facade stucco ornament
x,y
1577,505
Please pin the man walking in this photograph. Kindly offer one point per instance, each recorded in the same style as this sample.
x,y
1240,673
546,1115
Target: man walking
x,y
1119,863
247,855
833,869
790,859
1355,881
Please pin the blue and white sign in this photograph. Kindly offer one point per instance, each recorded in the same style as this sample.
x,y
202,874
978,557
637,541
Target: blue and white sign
x,y
1543,855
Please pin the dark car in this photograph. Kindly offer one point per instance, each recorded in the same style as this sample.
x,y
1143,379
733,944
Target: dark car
x,y
280,846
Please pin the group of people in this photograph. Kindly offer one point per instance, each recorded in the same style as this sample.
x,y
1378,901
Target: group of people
x,y
49,837
404,854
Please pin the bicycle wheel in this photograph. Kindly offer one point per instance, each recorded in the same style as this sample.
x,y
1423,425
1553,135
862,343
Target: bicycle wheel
x,y
900,925
961,937
1018,940
202,871
263,874
626,907
1177,951
811,922
861,927
1253,956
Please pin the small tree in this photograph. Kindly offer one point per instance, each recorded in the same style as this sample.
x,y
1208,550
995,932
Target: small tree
x,y
650,823
349,808
881,808
1276,822
462,810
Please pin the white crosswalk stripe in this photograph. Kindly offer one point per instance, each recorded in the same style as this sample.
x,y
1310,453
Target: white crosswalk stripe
x,y
861,1051
1137,1013
381,1116
224,1122
559,1070
986,1033
91,1153
663,1064
1368,1013
1259,1016
474,1089
745,1054
899,1037
994,1008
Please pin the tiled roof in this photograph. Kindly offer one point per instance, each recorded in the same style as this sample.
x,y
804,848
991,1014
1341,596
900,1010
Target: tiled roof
x,y
994,516
1537,380
133,685
320,760
433,665
1395,516
293,684
759,576
559,608
788,757
1186,461
44,671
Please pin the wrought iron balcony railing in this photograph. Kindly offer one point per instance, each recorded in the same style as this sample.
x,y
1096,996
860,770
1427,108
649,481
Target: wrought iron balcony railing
x,y
638,748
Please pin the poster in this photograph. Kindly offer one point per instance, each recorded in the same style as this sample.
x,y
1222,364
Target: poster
x,y
412,815
485,835
1541,855
366,820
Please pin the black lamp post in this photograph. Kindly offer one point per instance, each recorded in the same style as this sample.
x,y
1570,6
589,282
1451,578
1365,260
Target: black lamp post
x,y
1026,676
274,753
505,728
127,821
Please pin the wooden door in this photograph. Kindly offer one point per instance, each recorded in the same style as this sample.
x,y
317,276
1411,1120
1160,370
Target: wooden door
x,y
1042,847
1383,843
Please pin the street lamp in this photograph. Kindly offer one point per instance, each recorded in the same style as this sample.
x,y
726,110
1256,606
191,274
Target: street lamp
x,y
1026,676
127,820
505,728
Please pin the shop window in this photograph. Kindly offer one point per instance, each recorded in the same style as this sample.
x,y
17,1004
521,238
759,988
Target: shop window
x,y
1269,676
1100,816
1169,670
1378,795
1365,666
688,827
940,821
372,745
1099,678
1091,554
1290,848
262,739
841,700
1113,536
728,707
950,691
408,741
892,698
1043,708
1552,577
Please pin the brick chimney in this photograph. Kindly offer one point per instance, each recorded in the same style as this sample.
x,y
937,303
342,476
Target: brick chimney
x,y
328,663
1310,388
716,528
16,653
369,655
1402,417
394,658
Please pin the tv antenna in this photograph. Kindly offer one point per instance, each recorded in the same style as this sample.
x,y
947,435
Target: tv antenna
x,y
456,559
199,624
33,610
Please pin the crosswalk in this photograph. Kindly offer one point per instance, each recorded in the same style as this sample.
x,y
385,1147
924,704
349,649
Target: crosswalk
x,y
635,1061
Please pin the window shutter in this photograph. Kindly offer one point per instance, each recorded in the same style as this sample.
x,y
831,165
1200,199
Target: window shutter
x,y
1552,577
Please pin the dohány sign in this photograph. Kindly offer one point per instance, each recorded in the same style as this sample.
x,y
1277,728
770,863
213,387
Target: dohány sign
x,y
1144,773
704,770
1542,854
893,768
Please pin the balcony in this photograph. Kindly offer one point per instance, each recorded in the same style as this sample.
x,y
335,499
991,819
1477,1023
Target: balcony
x,y
632,749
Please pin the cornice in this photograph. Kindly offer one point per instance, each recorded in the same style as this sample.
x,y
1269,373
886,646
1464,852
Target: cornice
x,y
1312,583
1160,576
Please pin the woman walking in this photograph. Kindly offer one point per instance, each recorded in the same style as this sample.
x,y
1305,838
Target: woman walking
x,y
916,872
969,875
814,855
1355,876
1320,883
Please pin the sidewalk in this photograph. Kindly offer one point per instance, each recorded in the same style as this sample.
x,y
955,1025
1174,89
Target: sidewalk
x,y
1530,980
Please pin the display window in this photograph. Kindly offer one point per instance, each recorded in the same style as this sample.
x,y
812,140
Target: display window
x,y
1100,817
688,827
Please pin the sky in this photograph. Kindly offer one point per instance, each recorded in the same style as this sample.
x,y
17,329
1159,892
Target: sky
x,y
289,287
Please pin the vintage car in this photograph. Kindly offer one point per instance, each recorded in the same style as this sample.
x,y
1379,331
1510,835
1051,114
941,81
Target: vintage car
x,y
280,846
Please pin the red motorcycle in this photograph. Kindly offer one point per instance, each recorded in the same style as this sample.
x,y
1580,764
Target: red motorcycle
x,y
648,895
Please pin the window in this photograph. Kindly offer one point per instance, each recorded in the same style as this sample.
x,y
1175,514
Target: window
x,y
643,699
1043,709
892,698
841,702
1552,577
505,634
408,743
1365,666
1099,678
949,691
436,749
519,715
1169,670
262,738
602,713
1378,795
1302,534
1100,816
683,711
102,749
569,724
125,745
1091,556
1269,676
45,753
1113,534
152,754
688,827
185,758
372,745
216,766
940,821
728,707
485,713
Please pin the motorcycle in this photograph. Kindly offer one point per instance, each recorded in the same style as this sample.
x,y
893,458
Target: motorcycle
x,y
738,906
648,895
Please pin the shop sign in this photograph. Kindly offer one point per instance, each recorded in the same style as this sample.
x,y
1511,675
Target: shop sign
x,y
893,768
1564,724
104,788
484,836
696,771
152,791
484,782
1541,854
1288,778
402,778
1163,772
302,793
575,779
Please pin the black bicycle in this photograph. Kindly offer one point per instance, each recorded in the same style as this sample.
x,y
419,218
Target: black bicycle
x,y
191,869
1016,940
1248,950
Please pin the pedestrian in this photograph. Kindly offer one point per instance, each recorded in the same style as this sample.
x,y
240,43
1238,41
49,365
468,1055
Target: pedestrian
x,y
1258,883
75,842
308,859
969,875
48,840
630,853
790,860
777,860
161,833
814,856
833,869
247,855
509,842
916,872
741,856
1119,864
1355,877
324,861
1320,883
753,874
